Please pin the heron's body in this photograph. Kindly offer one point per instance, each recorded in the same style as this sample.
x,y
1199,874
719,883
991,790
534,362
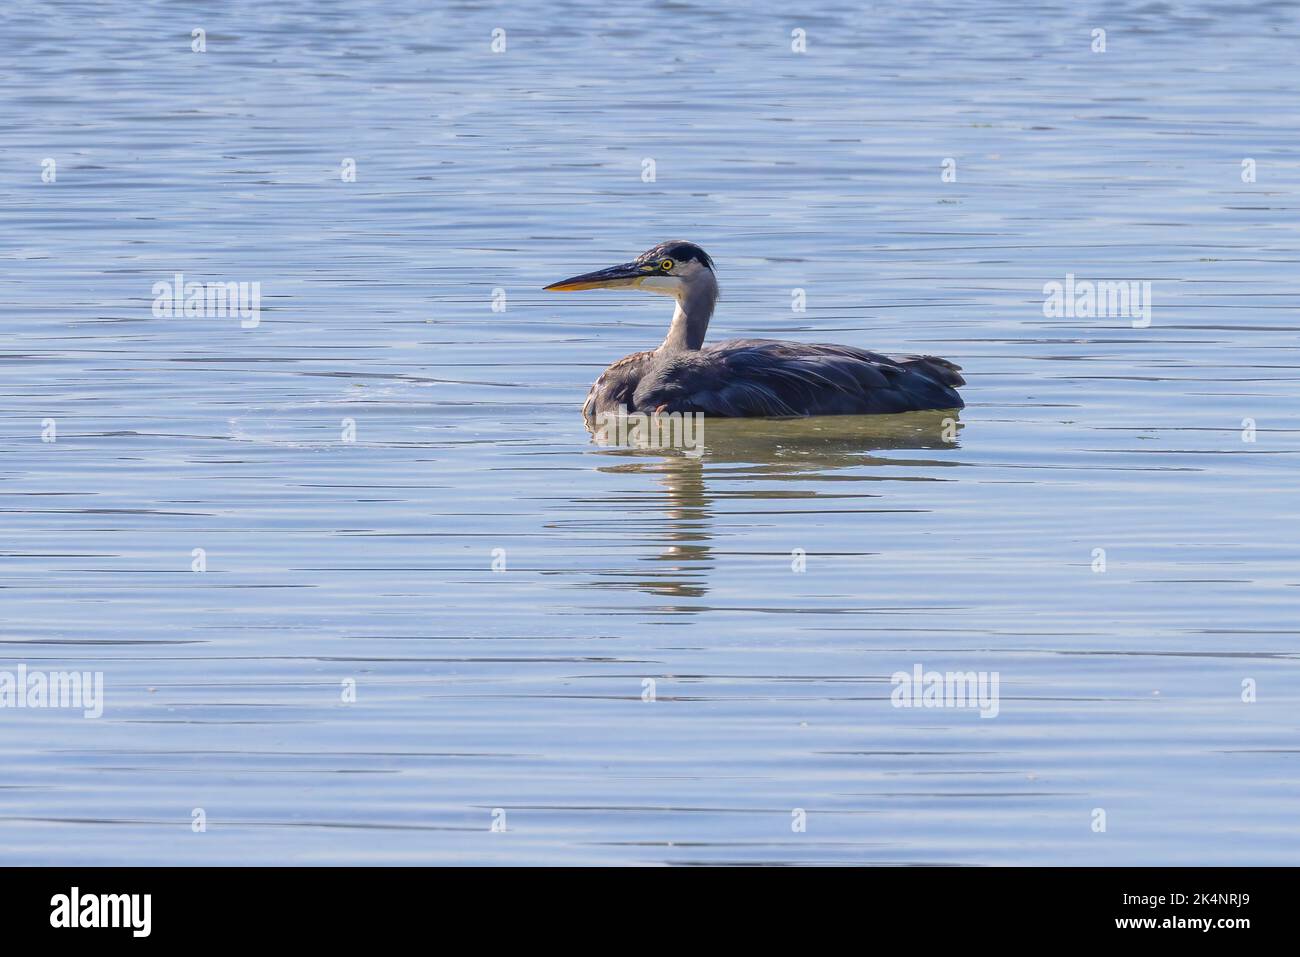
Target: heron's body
x,y
765,377
749,377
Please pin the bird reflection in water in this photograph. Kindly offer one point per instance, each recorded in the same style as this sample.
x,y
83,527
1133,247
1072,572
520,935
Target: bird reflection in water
x,y
741,459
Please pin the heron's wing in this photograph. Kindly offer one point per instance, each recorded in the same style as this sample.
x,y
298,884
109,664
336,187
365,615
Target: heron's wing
x,y
760,377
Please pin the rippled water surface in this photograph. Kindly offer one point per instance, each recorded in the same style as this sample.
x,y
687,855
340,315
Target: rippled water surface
x,y
515,693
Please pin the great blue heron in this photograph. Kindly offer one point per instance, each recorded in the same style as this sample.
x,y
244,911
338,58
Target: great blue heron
x,y
747,377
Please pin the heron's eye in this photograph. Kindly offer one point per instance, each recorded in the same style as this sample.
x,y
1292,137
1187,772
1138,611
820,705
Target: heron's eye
x,y
666,265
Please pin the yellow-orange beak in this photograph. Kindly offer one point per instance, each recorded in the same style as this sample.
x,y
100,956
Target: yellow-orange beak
x,y
625,274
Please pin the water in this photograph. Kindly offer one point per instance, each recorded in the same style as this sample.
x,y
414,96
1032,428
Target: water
x,y
371,562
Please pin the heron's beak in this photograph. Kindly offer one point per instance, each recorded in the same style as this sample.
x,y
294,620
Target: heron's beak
x,y
626,274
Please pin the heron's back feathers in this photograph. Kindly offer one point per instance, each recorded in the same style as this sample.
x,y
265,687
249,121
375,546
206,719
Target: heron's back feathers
x,y
765,377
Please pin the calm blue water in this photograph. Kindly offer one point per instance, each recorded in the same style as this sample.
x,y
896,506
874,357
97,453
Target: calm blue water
x,y
370,562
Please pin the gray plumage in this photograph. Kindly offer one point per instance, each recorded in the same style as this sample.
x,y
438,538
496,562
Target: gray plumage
x,y
765,377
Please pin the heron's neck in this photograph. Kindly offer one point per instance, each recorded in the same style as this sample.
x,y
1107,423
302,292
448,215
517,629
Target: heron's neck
x,y
691,317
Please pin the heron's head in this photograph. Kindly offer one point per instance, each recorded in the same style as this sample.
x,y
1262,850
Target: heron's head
x,y
674,268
